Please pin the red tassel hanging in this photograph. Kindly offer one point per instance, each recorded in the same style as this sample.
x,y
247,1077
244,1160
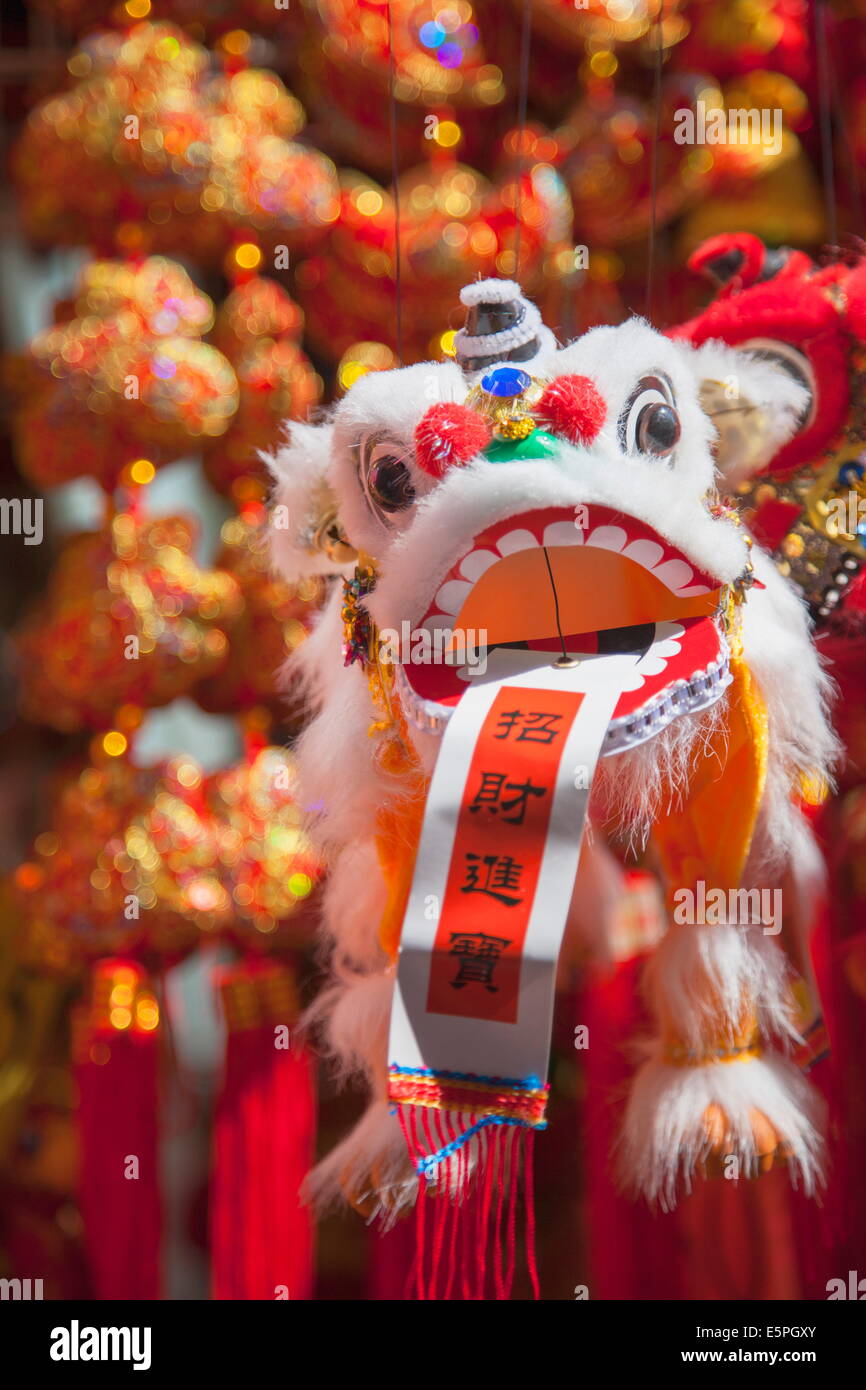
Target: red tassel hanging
x,y
116,1050
475,1225
261,1234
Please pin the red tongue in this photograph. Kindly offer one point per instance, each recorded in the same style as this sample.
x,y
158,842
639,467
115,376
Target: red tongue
x,y
697,646
574,642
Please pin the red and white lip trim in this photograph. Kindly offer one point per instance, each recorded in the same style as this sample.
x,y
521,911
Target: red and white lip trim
x,y
691,696
683,670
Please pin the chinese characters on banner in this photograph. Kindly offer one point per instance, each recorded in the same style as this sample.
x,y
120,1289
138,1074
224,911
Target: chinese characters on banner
x,y
498,849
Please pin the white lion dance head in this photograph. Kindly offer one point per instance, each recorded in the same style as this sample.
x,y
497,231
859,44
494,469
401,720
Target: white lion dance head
x,y
543,622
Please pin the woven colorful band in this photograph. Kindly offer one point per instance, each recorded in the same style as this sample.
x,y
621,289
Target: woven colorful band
x,y
498,1097
678,1056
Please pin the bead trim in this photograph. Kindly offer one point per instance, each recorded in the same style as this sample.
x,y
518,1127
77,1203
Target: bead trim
x,y
683,697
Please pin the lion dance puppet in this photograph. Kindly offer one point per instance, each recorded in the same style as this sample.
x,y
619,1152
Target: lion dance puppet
x,y
803,497
548,634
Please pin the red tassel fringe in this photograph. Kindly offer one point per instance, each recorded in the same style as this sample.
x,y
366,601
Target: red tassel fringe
x,y
261,1234
468,1238
116,1050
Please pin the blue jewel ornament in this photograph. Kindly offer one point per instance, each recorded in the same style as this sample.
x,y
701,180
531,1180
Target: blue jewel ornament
x,y
506,382
851,473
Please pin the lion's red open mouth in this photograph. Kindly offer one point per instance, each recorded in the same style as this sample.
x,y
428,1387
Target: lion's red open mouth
x,y
579,582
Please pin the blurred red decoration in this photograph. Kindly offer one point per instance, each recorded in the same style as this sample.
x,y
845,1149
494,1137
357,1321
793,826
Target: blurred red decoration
x,y
275,619
765,186
262,1232
440,71
742,36
218,17
149,861
129,618
81,894
258,328
117,1048
266,865
149,144
748,173
599,26
125,375
455,225
606,143
227,854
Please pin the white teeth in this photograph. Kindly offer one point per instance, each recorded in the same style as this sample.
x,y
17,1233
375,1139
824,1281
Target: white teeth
x,y
437,622
675,574
644,552
635,680
563,533
476,563
514,541
652,665
440,626
452,596
608,537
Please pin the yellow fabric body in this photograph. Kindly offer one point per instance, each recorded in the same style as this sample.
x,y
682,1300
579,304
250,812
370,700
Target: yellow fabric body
x,y
709,837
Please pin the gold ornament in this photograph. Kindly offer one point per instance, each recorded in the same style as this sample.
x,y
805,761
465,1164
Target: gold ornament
x,y
510,417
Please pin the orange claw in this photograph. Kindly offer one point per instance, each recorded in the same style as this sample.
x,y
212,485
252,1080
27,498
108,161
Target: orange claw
x,y
769,1147
370,1198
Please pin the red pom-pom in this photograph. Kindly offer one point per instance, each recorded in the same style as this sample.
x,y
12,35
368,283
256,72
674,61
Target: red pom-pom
x,y
447,435
572,406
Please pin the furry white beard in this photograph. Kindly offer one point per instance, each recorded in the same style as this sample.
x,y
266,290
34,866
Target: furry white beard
x,y
372,1163
707,976
634,788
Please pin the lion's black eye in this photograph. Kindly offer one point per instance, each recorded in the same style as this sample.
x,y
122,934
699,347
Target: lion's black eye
x,y
385,475
390,483
658,429
649,423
